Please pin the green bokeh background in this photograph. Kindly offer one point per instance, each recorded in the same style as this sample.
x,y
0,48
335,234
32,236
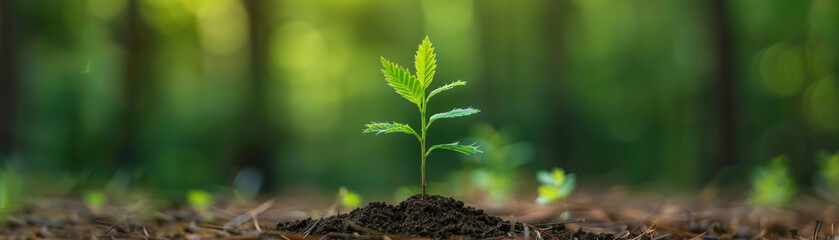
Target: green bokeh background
x,y
182,94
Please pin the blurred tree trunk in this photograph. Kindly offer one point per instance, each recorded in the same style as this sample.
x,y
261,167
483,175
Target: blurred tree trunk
x,y
133,87
556,13
726,94
9,91
258,133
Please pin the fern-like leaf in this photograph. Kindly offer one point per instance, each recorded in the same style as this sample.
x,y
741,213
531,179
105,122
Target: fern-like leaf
x,y
445,87
455,146
425,63
384,127
457,112
403,82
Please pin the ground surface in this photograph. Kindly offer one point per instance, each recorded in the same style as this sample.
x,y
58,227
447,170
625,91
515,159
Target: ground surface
x,y
433,217
602,215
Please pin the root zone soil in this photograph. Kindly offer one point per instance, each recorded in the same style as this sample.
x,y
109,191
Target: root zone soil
x,y
433,217
610,215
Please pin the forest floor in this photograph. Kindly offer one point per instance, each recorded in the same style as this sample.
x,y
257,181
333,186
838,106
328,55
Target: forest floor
x,y
612,214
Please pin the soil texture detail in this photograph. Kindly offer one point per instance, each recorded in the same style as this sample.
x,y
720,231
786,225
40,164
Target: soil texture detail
x,y
433,217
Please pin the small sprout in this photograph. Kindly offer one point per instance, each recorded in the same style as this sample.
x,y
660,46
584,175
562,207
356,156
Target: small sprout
x,y
413,88
496,172
95,199
199,199
11,193
556,185
828,178
349,199
565,215
771,185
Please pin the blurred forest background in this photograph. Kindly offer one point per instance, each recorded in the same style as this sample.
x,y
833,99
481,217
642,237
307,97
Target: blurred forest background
x,y
271,96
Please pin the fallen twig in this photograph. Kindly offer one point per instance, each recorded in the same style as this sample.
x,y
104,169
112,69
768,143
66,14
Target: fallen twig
x,y
698,236
256,224
817,229
539,230
663,236
676,231
649,230
253,213
312,227
109,230
354,236
491,229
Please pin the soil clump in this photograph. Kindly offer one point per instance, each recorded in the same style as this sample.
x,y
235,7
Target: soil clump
x,y
433,217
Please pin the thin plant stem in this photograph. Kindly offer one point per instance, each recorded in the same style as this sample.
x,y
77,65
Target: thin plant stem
x,y
422,144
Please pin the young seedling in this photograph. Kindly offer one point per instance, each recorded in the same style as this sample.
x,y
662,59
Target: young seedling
x,y
826,181
95,199
349,199
556,185
12,189
772,185
413,88
201,201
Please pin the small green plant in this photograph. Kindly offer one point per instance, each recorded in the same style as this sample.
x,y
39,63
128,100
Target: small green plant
x,y
413,88
11,193
556,185
199,199
771,185
827,181
95,199
349,199
497,172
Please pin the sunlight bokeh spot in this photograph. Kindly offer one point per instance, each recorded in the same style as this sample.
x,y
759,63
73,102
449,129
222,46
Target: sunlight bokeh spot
x,y
105,9
820,57
782,69
223,26
824,19
300,52
297,45
451,16
166,16
823,100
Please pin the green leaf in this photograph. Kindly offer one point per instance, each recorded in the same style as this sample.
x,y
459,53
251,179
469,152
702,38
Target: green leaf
x,y
403,82
553,178
199,199
445,87
378,128
465,149
556,185
567,185
457,112
425,62
547,195
772,184
349,199
94,199
545,178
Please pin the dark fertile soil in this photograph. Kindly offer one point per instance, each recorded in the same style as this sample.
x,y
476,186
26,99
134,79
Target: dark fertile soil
x,y
432,217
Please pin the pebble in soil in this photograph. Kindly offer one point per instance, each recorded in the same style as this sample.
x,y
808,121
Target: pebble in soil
x,y
432,217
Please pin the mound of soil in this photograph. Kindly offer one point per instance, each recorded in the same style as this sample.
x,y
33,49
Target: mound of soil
x,y
435,217
432,217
